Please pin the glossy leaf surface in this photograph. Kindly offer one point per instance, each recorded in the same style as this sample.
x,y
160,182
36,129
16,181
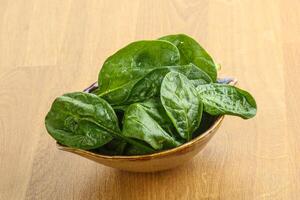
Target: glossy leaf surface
x,y
149,86
180,100
81,120
220,99
157,112
191,52
140,125
123,69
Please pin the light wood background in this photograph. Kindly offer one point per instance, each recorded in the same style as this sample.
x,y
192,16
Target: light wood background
x,y
49,47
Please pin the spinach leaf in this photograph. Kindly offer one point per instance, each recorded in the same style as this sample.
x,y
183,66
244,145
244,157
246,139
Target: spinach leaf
x,y
192,52
180,100
132,150
123,69
74,120
157,112
85,121
220,99
149,85
140,125
114,147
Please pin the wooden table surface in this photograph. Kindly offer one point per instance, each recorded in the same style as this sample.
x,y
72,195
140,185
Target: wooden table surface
x,y
49,47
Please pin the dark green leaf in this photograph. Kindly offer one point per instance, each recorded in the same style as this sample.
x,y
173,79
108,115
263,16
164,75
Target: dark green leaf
x,y
140,125
74,120
85,121
149,86
114,147
220,99
180,100
132,150
122,70
157,112
192,52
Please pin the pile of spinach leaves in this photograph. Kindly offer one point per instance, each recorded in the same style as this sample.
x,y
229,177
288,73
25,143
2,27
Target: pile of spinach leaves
x,y
151,96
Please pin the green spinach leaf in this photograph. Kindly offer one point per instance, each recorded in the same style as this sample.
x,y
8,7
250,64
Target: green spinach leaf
x,y
157,112
220,99
123,69
180,100
140,125
132,150
192,52
114,147
149,86
74,120
85,121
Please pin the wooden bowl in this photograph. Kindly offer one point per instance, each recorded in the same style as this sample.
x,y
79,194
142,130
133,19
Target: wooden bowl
x,y
157,161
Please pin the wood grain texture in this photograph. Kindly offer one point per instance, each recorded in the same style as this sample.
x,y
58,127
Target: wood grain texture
x,y
49,47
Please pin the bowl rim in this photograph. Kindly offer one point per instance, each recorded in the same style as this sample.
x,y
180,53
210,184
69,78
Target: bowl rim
x,y
208,132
